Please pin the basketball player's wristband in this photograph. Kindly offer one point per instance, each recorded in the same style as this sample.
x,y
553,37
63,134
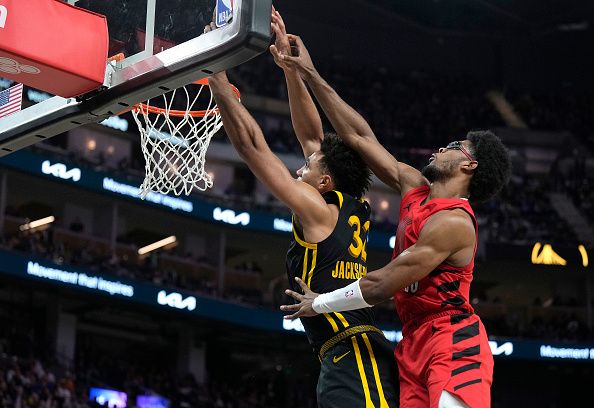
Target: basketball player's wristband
x,y
340,300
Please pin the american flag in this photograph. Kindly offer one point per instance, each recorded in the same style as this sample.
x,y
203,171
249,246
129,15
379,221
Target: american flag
x,y
11,99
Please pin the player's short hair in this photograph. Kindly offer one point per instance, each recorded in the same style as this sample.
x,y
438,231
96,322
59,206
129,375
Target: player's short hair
x,y
348,170
494,165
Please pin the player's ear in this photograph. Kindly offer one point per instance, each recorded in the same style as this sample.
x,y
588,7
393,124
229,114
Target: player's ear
x,y
469,167
326,182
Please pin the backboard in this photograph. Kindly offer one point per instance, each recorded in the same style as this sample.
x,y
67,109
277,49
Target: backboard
x,y
141,28
164,48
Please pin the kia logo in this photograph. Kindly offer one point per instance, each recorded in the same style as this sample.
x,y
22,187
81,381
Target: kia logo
x,y
293,325
506,348
176,300
60,170
229,217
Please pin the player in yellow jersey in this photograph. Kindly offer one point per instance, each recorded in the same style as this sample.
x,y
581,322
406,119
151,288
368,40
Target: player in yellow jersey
x,y
327,249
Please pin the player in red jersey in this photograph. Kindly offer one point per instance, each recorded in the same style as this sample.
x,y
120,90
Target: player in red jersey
x,y
444,358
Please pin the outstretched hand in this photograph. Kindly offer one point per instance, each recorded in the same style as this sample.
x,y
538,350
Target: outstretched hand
x,y
299,58
281,44
305,306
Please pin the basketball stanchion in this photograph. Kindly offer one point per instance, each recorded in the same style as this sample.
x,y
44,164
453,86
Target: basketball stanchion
x,y
174,141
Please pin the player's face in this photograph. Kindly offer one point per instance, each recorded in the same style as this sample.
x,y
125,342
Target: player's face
x,y
443,164
310,172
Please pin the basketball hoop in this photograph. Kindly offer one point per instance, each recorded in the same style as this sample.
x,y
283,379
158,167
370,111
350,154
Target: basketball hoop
x,y
174,141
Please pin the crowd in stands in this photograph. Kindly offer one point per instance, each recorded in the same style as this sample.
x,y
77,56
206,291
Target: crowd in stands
x,y
554,320
573,174
25,382
422,108
416,109
28,380
93,257
571,110
523,214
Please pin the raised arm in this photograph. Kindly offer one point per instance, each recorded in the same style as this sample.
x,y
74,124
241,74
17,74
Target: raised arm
x,y
247,138
304,113
350,125
447,236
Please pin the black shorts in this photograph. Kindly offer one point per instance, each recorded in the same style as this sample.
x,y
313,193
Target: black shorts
x,y
358,370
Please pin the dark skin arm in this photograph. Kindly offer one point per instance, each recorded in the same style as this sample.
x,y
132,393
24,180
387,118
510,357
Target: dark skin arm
x,y
304,113
350,125
246,136
448,236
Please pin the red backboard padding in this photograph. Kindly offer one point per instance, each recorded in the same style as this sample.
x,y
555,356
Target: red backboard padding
x,y
52,46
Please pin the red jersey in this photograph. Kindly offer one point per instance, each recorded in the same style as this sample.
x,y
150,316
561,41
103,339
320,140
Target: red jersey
x,y
445,290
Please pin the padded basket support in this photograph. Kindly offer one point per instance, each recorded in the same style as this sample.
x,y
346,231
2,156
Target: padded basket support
x,y
53,46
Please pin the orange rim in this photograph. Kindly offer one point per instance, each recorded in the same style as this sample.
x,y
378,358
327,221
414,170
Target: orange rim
x,y
118,57
143,107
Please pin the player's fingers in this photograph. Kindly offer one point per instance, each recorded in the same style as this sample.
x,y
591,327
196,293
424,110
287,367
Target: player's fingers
x,y
281,22
294,39
295,42
276,54
290,62
290,308
293,316
304,287
210,27
275,29
294,295
280,27
288,59
279,19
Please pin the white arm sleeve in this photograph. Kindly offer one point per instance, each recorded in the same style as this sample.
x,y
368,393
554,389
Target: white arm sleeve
x,y
340,300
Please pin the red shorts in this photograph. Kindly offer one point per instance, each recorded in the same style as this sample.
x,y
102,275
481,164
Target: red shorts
x,y
449,353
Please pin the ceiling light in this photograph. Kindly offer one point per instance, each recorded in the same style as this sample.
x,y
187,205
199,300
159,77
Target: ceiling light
x,y
38,223
156,245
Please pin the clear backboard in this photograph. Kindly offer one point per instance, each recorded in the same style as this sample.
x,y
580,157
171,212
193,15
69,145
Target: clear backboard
x,y
142,28
164,47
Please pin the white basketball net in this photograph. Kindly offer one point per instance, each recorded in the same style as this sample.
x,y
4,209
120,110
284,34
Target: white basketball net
x,y
174,148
